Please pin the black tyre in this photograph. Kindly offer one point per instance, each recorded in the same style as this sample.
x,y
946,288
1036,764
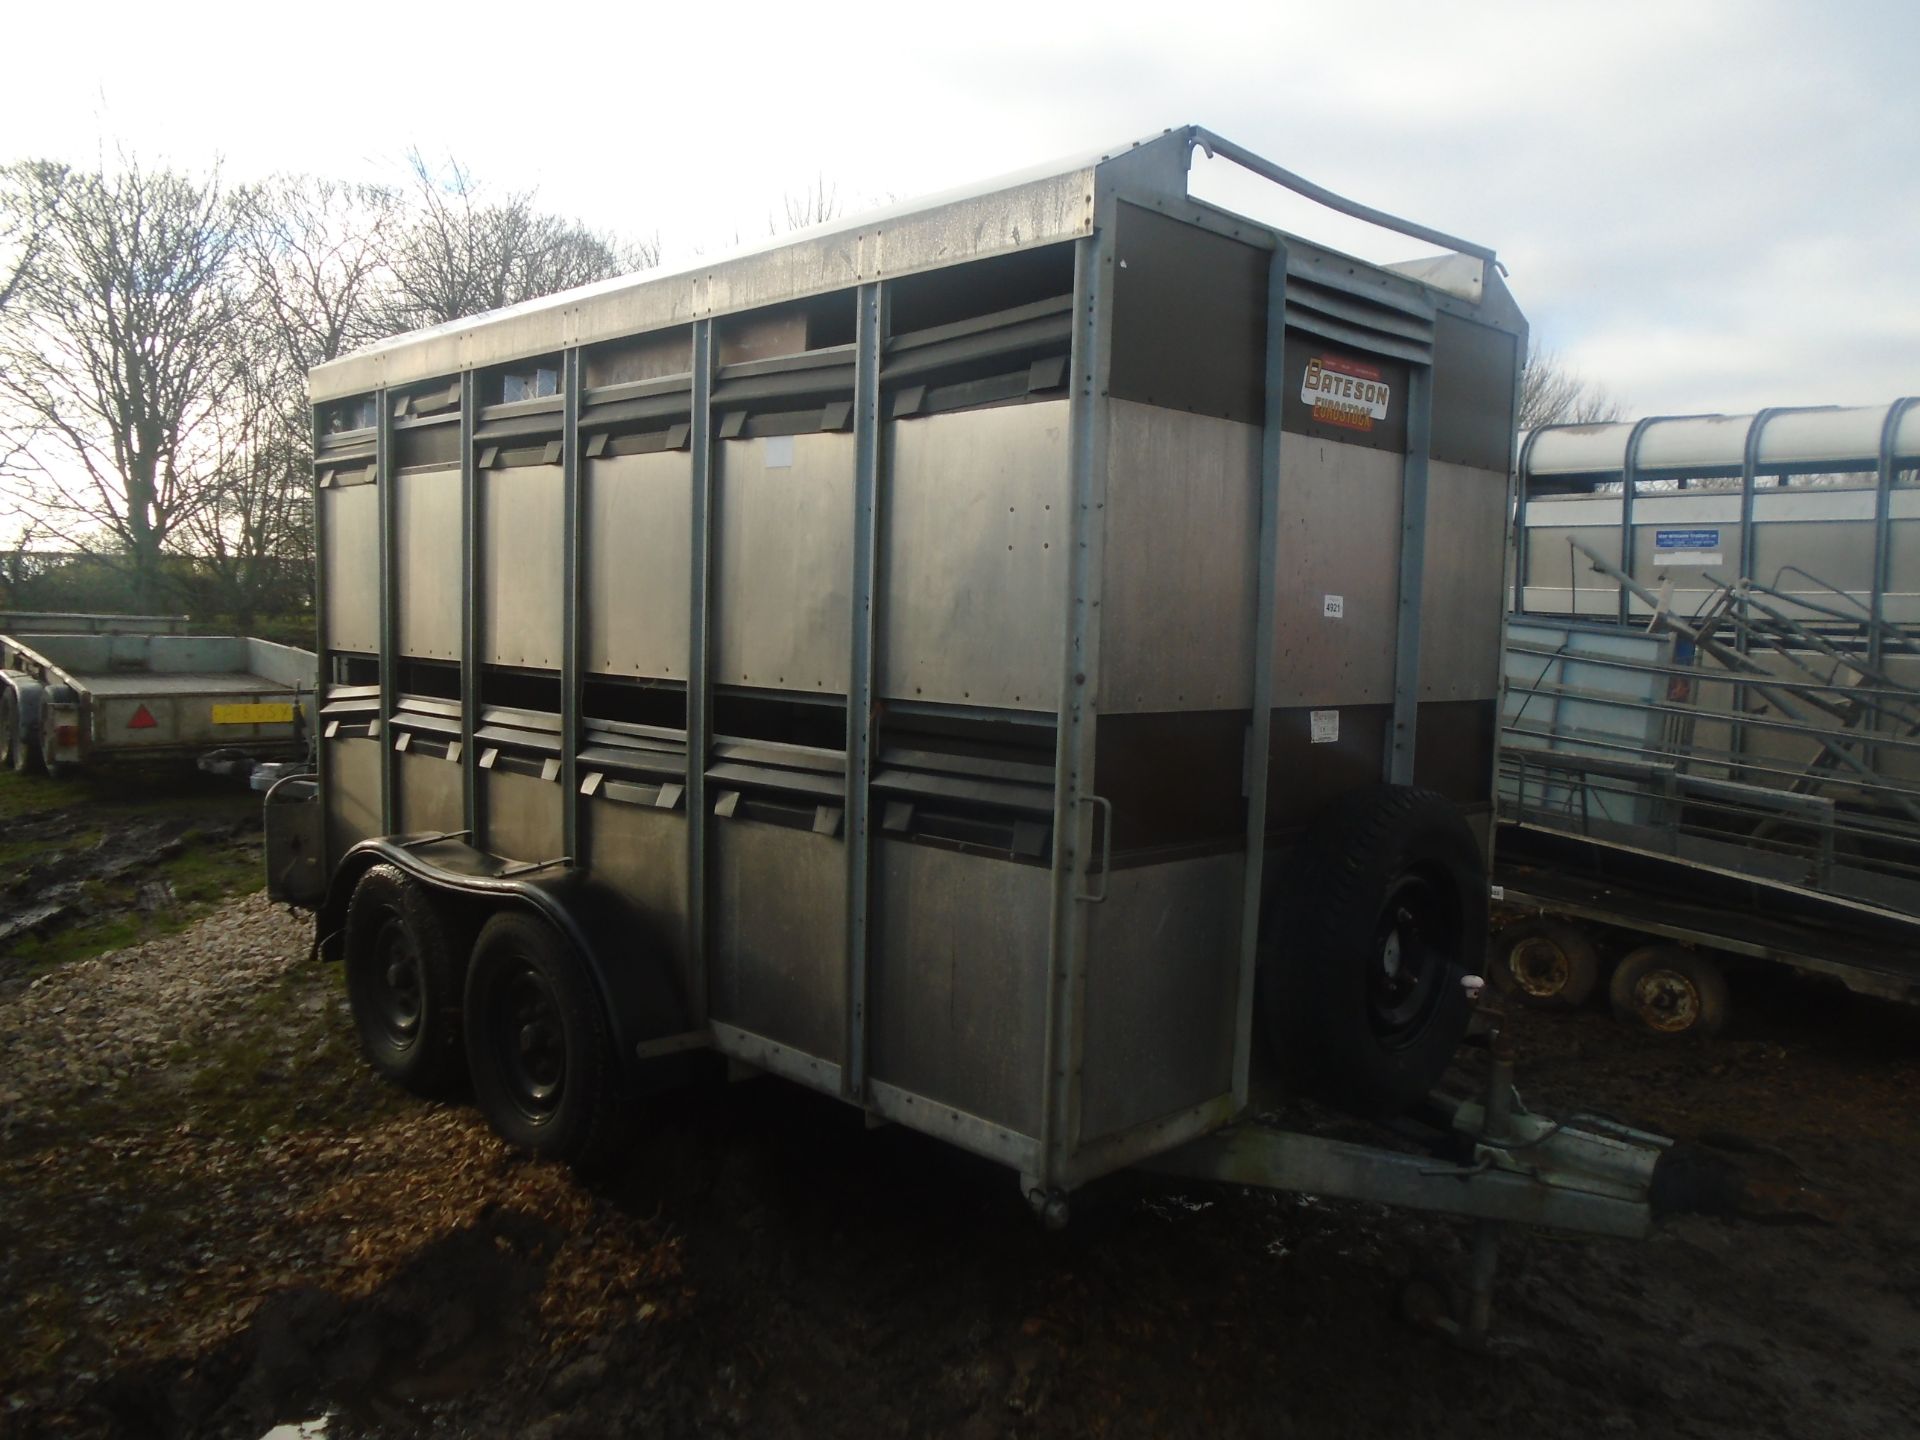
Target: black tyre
x,y
539,1045
1669,990
1379,914
9,726
404,981
1547,963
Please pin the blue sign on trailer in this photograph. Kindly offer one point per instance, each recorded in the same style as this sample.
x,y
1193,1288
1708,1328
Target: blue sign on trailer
x,y
1686,539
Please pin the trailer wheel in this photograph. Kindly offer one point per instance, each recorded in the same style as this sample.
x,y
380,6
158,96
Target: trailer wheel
x,y
539,1045
1669,990
403,981
1377,917
1547,963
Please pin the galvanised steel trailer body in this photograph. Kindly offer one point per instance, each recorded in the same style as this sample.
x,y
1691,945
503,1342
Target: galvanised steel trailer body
x,y
1712,719
904,659
75,697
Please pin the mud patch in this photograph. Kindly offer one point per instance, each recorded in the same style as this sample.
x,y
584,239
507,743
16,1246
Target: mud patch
x,y
460,1313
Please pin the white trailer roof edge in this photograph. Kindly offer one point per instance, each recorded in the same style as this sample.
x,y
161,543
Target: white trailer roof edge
x,y
1836,436
1041,206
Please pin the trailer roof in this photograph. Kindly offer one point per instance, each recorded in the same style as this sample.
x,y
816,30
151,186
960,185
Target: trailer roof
x,y
1042,206
1801,438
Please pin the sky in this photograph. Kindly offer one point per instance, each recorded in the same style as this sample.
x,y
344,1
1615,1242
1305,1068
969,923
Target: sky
x,y
1703,205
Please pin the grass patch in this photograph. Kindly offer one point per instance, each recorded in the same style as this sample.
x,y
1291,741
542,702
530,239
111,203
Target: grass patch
x,y
201,876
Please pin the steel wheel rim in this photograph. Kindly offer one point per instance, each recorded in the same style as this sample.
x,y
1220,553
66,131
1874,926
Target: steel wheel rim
x,y
530,1041
1413,952
1540,967
1667,1000
398,998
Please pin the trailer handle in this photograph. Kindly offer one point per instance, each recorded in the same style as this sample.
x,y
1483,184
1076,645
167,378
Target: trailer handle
x,y
1105,806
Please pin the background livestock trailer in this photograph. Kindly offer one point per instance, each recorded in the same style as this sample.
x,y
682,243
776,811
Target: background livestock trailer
x,y
1712,730
975,660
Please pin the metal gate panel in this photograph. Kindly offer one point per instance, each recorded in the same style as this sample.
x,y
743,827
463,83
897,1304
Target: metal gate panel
x,y
958,980
783,562
974,557
523,553
432,799
427,578
639,513
1183,500
1163,973
639,852
1462,589
353,794
778,918
350,560
1339,551
522,816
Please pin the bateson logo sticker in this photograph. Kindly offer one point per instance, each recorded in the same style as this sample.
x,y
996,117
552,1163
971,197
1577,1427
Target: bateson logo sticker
x,y
1345,392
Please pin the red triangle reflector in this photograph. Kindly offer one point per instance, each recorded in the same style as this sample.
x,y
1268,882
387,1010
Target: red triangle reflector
x,y
142,720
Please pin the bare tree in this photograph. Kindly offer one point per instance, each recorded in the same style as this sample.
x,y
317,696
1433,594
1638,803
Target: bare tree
x,y
113,357
254,531
462,253
316,257
28,193
1551,393
813,204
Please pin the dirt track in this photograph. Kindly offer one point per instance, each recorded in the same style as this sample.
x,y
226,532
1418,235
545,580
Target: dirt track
x,y
305,1241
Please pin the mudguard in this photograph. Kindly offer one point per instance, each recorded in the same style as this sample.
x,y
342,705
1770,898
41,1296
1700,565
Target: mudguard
x,y
636,982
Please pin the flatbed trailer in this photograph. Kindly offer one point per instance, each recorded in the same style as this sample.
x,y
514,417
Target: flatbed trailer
x,y
1024,663
86,696
89,622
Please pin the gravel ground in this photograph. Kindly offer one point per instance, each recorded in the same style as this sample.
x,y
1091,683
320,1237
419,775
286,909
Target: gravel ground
x,y
213,1219
72,1032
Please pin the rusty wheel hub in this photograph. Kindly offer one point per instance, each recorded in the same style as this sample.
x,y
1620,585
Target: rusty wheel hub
x,y
1667,1001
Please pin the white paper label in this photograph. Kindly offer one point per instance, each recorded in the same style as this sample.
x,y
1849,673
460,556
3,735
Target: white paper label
x,y
1687,557
1333,607
777,452
1497,892
1323,726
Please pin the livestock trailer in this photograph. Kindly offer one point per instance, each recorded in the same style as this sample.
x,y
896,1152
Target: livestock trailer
x,y
78,696
1712,718
1015,662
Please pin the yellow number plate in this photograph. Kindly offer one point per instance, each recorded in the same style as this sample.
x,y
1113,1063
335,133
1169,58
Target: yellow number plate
x,y
278,712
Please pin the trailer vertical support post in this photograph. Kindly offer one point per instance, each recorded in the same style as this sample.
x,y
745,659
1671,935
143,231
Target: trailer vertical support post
x,y
1749,478
1074,749
469,609
699,697
1629,475
870,339
1413,570
322,639
1522,540
1260,721
570,578
1883,523
389,607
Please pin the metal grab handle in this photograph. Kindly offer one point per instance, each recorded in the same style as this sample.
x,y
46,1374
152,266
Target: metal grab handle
x,y
1106,848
